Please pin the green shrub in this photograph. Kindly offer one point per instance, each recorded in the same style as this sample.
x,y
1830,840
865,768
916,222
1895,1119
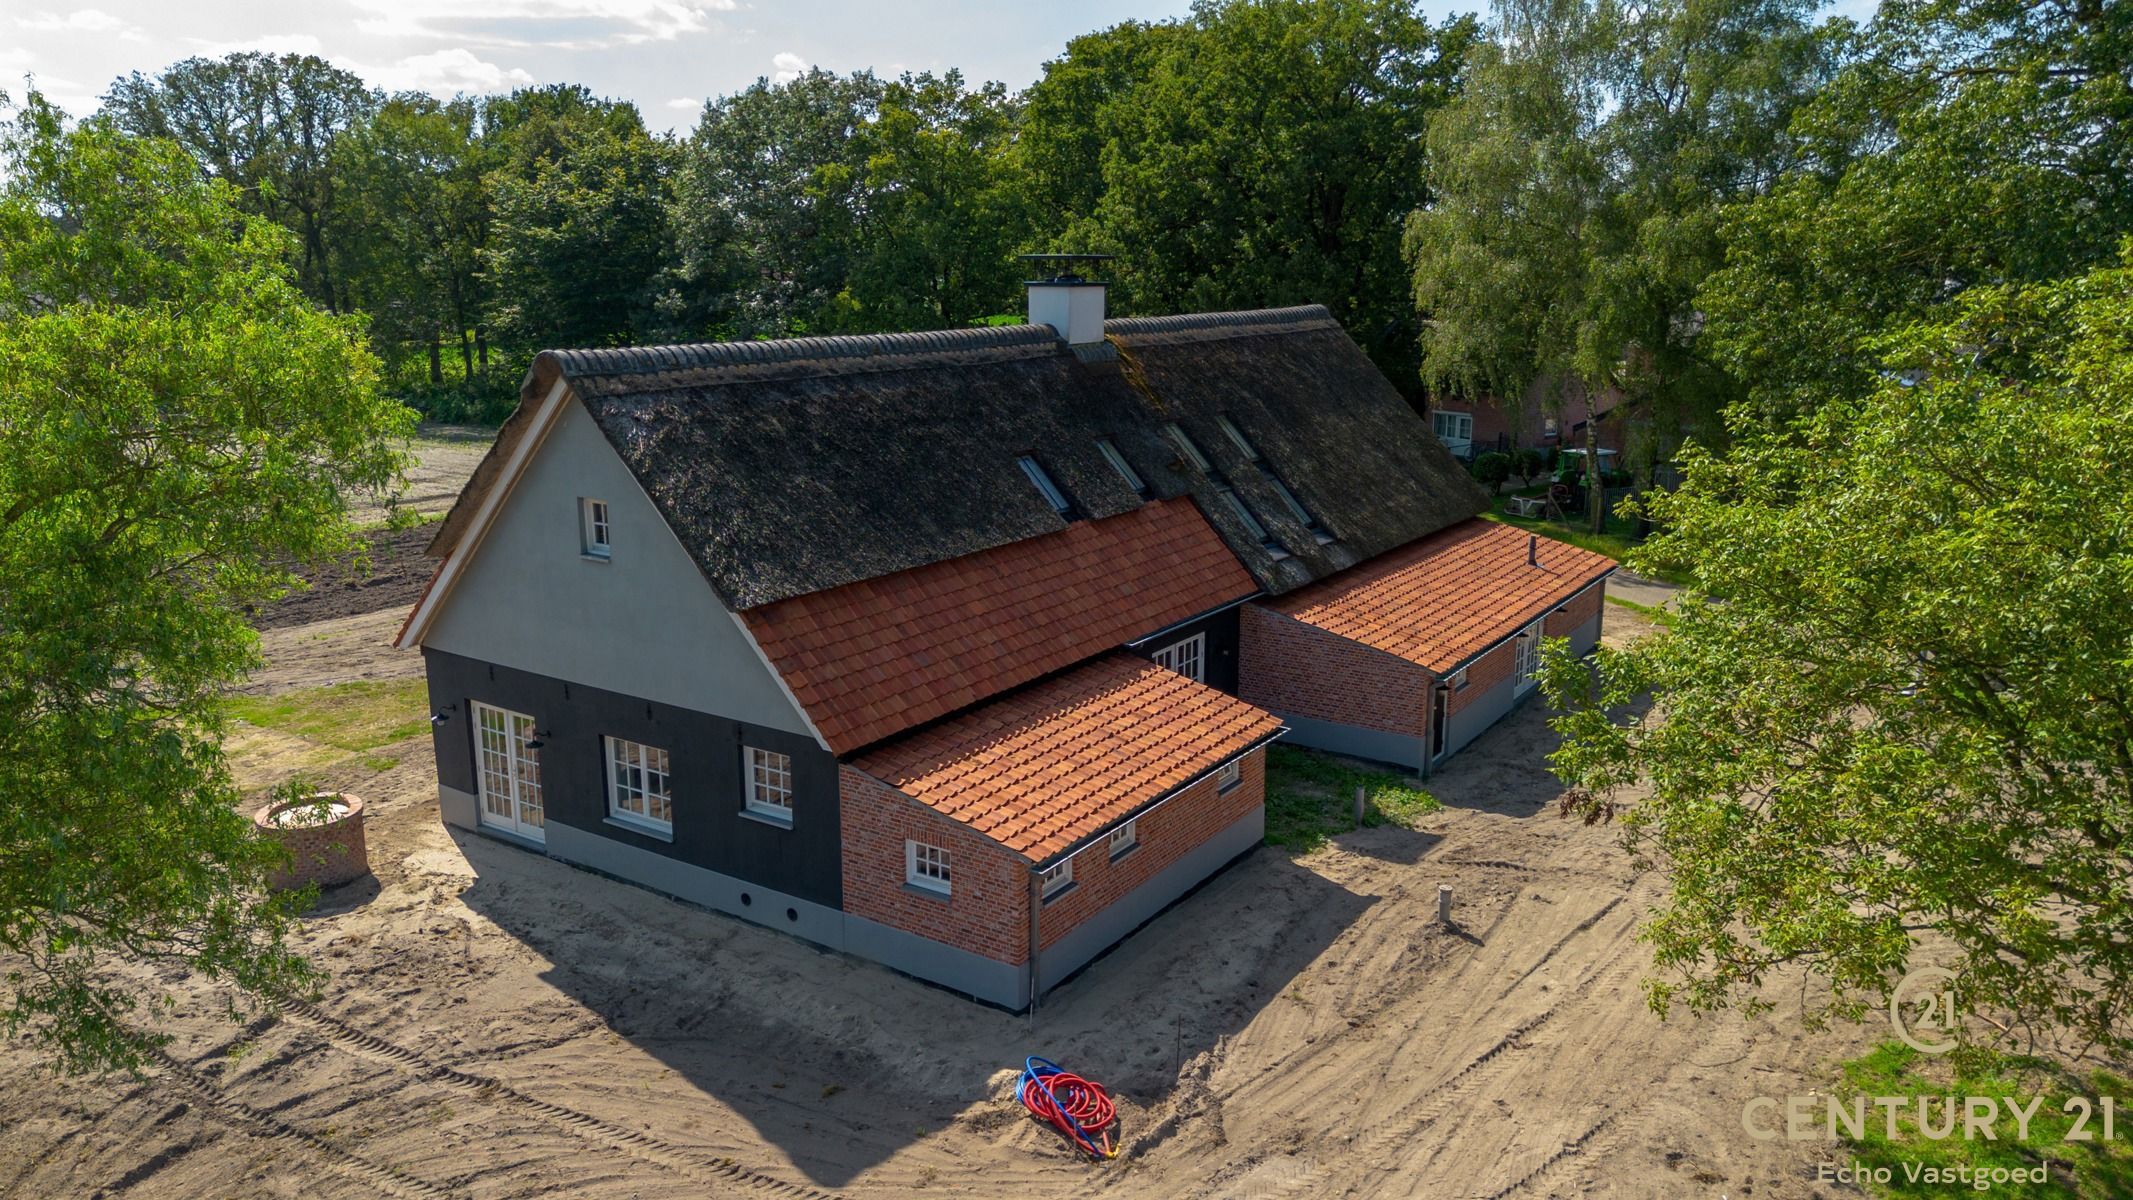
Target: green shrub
x,y
1493,469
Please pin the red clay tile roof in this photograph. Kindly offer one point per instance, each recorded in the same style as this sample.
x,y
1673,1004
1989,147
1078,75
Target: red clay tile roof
x,y
1042,769
873,658
1440,600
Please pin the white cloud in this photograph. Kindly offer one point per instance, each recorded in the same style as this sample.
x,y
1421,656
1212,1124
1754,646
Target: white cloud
x,y
446,72
579,24
685,102
81,20
787,67
266,43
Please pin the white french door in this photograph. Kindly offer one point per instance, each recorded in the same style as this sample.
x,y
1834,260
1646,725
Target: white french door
x,y
510,771
1528,648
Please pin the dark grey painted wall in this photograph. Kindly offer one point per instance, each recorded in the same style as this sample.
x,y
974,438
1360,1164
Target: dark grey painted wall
x,y
704,752
1221,631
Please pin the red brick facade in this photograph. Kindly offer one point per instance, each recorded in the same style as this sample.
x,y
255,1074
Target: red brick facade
x,y
1289,667
1582,607
1165,835
987,912
1481,675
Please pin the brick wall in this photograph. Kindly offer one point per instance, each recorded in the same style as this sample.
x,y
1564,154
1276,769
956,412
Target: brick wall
x,y
1290,667
1166,834
1484,673
1583,608
987,911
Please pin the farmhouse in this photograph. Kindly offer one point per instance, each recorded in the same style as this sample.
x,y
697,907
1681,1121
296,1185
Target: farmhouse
x,y
961,651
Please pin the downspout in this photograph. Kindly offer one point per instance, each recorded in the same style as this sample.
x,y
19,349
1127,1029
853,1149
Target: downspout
x,y
1036,913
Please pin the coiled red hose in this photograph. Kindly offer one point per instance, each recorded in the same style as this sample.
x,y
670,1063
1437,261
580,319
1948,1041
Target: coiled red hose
x,y
1074,1106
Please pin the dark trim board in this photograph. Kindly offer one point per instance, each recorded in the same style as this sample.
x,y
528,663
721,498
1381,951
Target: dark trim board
x,y
710,830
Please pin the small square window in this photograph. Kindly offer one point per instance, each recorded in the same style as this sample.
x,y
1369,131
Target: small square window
x,y
640,788
593,528
1055,878
1456,680
1229,775
769,783
1124,838
926,866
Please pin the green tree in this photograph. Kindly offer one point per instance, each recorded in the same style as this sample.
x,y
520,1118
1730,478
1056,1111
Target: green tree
x,y
943,216
1269,158
412,174
267,125
1909,709
769,193
178,425
1963,143
1577,186
579,235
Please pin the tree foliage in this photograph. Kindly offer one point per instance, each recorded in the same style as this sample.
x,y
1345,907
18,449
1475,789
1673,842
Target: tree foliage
x,y
1578,184
178,425
1899,702
1963,143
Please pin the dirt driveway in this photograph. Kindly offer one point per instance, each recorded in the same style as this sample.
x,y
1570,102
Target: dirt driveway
x,y
501,1025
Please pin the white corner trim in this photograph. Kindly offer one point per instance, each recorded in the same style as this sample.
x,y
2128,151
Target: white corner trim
x,y
484,517
783,687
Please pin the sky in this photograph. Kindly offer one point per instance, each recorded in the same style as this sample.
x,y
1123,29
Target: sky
x,y
666,55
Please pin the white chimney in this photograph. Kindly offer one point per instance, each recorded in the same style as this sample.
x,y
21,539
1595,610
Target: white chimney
x,y
1071,304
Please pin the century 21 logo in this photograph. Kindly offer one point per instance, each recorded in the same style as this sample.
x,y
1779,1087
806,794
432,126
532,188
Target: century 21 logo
x,y
1922,1010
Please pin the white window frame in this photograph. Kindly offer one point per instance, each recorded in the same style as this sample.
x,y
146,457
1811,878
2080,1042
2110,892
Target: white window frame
x,y
1055,879
1109,449
654,782
1456,681
928,867
1525,649
1229,774
1178,655
759,767
508,771
1460,426
1236,437
596,528
1123,839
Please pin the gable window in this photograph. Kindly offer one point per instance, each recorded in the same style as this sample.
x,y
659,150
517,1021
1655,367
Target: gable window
x,y
1119,464
640,789
1296,509
1187,658
926,866
1124,838
769,783
1229,775
1044,485
593,528
1186,447
1055,879
1236,436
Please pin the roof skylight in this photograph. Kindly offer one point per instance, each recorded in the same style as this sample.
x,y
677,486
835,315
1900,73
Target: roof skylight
x,y
1045,487
1186,447
1236,435
1119,464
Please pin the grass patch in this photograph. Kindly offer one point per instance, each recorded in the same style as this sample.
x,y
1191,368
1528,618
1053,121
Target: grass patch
x,y
1654,612
1311,796
358,716
2083,1170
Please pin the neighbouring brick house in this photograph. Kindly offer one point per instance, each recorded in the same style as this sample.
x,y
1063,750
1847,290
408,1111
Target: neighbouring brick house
x,y
959,651
1469,426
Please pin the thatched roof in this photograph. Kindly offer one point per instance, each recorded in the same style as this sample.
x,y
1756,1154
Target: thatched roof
x,y
787,467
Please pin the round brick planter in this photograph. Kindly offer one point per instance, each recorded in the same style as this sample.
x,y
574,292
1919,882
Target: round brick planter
x,y
325,849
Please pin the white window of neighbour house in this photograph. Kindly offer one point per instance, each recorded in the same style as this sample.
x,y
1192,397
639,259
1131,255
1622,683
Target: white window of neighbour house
x,y
1230,774
640,788
1055,879
769,783
1187,658
1123,838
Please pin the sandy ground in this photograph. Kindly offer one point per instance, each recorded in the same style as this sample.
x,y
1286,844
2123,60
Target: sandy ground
x,y
500,1025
